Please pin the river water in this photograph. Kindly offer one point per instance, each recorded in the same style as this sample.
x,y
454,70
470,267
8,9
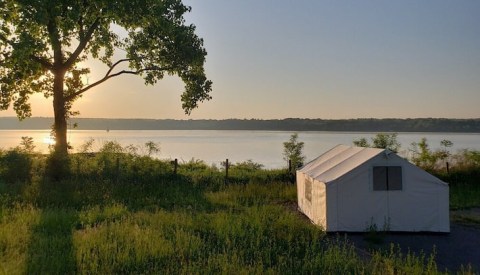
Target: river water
x,y
264,147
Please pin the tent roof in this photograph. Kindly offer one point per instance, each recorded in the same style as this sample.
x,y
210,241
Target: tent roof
x,y
338,161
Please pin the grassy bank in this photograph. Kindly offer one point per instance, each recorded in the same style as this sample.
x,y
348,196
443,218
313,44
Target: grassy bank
x,y
125,213
174,227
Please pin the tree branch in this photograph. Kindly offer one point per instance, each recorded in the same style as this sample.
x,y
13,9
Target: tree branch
x,y
84,39
54,37
108,75
116,63
45,64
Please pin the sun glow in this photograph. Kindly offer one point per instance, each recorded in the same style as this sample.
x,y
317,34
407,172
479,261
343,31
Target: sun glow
x,y
49,140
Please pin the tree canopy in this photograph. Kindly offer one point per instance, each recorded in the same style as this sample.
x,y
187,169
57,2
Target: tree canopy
x,y
42,45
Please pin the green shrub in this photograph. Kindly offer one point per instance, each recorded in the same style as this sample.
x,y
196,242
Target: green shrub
x,y
247,166
381,140
15,166
292,151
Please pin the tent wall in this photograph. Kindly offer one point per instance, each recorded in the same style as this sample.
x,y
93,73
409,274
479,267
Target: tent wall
x,y
319,203
300,177
304,204
313,206
341,196
357,205
421,205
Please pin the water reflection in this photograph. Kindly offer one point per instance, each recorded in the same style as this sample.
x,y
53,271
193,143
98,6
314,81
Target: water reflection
x,y
264,147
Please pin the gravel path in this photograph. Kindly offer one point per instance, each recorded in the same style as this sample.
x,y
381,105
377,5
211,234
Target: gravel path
x,y
460,247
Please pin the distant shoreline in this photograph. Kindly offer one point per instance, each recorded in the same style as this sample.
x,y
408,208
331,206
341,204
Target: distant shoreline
x,y
428,125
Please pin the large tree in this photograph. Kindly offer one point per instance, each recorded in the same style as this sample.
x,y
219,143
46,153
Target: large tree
x,y
43,42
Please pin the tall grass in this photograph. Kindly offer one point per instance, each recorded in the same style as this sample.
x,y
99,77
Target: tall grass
x,y
135,216
464,180
108,228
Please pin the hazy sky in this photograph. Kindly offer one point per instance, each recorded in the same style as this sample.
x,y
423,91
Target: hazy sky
x,y
316,59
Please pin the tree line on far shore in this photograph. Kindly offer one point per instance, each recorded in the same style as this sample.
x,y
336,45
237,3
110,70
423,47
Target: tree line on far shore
x,y
288,124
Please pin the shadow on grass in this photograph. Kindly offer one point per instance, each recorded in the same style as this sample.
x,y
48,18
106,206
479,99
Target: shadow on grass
x,y
51,248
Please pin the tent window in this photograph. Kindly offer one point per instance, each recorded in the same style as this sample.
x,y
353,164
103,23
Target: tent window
x,y
387,178
308,190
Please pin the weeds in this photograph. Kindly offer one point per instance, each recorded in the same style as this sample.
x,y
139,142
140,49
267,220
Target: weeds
x,y
375,235
167,227
127,213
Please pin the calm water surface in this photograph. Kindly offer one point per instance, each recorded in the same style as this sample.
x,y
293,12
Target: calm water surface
x,y
264,147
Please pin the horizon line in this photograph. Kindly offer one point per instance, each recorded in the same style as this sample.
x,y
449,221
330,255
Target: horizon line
x,y
287,118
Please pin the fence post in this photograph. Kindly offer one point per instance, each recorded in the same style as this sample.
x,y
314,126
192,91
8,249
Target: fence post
x,y
106,167
175,163
226,170
117,176
448,168
78,166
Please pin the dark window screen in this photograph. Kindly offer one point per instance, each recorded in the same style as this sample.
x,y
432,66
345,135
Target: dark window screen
x,y
387,178
394,178
380,178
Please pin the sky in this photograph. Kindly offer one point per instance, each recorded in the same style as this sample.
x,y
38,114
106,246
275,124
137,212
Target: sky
x,y
328,59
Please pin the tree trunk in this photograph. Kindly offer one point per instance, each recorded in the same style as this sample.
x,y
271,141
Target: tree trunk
x,y
59,165
60,125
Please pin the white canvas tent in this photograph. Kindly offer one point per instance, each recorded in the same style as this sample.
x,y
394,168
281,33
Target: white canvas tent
x,y
351,188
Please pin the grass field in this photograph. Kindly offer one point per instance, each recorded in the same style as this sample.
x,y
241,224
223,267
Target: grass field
x,y
111,228
145,219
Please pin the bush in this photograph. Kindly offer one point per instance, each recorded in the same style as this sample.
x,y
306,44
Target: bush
x,y
292,151
15,166
467,160
247,166
381,140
